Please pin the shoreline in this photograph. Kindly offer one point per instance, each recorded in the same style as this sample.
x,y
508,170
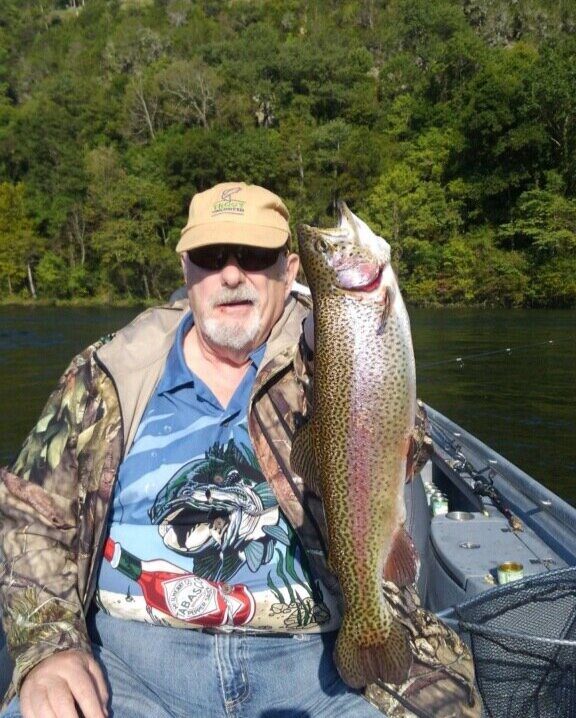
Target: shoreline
x,y
97,302
128,303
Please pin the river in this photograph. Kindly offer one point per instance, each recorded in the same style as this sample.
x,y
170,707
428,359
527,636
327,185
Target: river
x,y
507,376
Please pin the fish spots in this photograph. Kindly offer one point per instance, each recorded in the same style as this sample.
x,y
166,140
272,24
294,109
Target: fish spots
x,y
364,406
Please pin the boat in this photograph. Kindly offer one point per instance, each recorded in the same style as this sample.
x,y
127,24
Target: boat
x,y
498,564
495,514
498,554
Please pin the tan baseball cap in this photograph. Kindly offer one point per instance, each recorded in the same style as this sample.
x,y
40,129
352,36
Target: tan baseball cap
x,y
235,213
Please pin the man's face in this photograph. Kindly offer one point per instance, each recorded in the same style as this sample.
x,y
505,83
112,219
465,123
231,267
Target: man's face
x,y
234,308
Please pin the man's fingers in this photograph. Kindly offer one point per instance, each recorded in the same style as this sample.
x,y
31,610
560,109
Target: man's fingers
x,y
65,685
36,704
61,702
99,680
87,695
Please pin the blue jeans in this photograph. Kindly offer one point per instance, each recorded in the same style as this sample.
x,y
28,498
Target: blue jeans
x,y
161,672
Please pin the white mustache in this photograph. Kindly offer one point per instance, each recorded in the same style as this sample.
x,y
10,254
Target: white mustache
x,y
240,294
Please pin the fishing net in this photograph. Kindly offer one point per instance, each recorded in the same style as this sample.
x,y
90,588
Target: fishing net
x,y
523,637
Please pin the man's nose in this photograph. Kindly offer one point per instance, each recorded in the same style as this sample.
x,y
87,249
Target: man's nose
x,y
231,272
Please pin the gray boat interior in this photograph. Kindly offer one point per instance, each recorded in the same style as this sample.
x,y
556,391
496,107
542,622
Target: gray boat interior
x,y
461,549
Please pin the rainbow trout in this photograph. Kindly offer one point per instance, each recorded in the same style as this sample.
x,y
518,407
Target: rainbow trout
x,y
357,441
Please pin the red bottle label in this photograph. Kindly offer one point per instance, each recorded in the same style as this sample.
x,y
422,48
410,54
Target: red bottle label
x,y
183,595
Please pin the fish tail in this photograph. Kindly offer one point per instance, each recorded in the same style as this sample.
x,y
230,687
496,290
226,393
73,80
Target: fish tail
x,y
359,664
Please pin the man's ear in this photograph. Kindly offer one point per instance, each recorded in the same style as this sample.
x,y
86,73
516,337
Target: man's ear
x,y
292,265
184,265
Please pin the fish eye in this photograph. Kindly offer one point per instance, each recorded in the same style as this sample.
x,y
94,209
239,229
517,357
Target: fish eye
x,y
321,245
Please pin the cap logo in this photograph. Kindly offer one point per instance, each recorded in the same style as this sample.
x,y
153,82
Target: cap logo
x,y
227,204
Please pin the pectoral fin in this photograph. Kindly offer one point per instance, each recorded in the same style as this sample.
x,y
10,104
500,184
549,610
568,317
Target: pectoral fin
x,y
254,553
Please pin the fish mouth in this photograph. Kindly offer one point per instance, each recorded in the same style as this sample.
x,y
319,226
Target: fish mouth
x,y
190,530
200,502
200,516
372,285
363,277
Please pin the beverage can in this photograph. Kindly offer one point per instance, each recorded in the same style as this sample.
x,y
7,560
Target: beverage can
x,y
510,571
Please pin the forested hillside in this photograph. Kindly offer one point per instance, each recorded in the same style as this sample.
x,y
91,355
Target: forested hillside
x,y
449,126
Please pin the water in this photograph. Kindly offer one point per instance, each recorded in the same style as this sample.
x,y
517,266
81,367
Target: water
x,y
514,388
520,402
36,345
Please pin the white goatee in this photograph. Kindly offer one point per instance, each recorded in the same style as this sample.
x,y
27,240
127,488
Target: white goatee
x,y
230,333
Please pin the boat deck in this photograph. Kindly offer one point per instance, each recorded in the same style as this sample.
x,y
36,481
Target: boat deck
x,y
467,544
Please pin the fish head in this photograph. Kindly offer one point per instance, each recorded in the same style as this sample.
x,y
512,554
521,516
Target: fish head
x,y
346,258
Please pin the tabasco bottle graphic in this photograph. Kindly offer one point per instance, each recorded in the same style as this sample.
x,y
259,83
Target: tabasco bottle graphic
x,y
171,590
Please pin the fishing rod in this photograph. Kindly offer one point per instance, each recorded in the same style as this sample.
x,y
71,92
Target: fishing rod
x,y
459,361
480,355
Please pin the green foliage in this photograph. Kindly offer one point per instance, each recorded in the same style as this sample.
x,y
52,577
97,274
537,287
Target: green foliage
x,y
544,223
556,285
19,245
504,141
449,126
52,275
410,199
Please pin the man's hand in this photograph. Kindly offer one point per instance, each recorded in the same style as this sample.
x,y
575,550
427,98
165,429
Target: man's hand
x,y
60,683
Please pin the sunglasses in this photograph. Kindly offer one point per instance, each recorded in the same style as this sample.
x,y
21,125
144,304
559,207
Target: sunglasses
x,y
250,259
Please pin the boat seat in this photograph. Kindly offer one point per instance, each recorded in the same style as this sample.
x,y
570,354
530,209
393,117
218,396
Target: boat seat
x,y
466,548
418,526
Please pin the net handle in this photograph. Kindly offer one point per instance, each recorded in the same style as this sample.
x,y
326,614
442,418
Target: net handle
x,y
476,629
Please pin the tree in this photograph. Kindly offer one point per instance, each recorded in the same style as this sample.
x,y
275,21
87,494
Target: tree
x,y
19,245
52,275
555,91
129,219
544,222
190,90
504,145
555,283
178,11
142,106
133,47
411,200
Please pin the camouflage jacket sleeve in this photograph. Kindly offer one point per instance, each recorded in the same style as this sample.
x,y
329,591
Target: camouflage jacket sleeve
x,y
39,527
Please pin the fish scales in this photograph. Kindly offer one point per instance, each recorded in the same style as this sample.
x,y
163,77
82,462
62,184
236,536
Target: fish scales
x,y
365,377
364,408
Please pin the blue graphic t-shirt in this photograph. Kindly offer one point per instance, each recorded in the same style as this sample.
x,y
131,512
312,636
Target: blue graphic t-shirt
x,y
196,537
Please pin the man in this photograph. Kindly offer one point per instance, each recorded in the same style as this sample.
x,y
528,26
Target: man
x,y
161,557
204,528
